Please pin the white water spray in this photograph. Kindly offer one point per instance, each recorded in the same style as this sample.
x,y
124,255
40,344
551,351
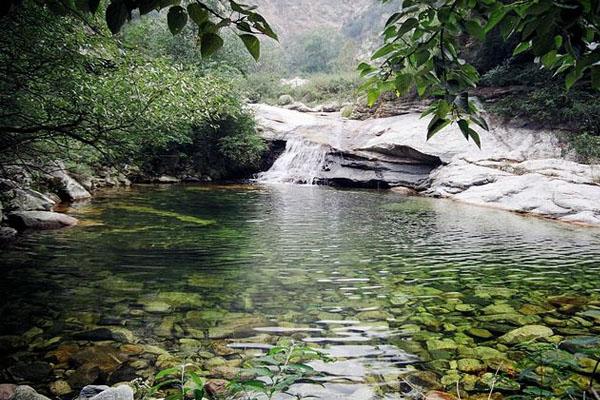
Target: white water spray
x,y
301,162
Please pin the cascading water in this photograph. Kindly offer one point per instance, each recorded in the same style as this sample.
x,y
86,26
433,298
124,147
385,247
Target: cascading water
x,y
301,162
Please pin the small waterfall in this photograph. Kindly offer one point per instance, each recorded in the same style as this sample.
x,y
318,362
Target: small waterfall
x,y
301,162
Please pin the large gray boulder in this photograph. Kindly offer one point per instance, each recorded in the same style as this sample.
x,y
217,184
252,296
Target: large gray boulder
x,y
23,220
27,200
66,187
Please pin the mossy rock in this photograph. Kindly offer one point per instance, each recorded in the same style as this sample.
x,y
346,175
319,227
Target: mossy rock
x,y
526,333
470,365
441,344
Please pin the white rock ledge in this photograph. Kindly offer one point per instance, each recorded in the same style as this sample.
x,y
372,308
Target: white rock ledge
x,y
520,170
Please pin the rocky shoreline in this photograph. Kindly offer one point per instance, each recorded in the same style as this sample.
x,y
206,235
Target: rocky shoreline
x,y
518,169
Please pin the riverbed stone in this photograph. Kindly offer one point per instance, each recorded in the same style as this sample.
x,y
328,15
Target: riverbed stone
x,y
60,388
525,333
103,356
479,333
36,371
582,344
441,344
22,220
470,365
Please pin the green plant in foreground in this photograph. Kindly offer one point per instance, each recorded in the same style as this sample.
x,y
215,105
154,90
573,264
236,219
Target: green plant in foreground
x,y
277,371
188,383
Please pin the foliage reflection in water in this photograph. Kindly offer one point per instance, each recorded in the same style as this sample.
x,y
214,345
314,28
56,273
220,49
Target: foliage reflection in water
x,y
407,294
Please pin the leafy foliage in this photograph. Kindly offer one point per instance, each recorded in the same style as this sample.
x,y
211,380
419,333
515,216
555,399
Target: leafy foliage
x,y
187,383
209,18
276,371
80,96
422,50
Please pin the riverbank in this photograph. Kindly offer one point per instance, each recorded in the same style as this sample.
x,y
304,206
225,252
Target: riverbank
x,y
518,169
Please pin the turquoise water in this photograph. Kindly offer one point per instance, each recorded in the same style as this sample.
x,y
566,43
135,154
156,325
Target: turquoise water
x,y
386,284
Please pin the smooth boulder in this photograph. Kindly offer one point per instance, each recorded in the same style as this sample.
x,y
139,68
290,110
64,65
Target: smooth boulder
x,y
23,220
27,200
66,187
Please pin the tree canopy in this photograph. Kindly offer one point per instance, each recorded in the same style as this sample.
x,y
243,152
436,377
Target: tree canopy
x,y
208,17
423,42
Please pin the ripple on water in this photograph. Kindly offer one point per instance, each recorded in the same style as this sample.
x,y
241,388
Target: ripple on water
x,y
370,278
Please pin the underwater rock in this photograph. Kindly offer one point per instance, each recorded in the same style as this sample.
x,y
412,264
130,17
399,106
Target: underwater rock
x,y
216,388
36,371
98,334
479,333
103,356
125,373
423,379
158,307
437,395
581,344
22,220
442,344
525,333
60,388
63,353
470,365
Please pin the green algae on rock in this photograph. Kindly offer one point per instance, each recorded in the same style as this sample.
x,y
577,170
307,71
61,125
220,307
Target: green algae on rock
x,y
165,214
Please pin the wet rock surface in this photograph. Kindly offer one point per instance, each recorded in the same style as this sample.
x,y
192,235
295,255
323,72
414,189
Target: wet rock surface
x,y
23,220
517,170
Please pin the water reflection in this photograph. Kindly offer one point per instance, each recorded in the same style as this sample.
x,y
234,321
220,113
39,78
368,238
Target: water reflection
x,y
371,277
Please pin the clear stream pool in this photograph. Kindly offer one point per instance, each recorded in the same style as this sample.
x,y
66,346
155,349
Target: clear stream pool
x,y
408,294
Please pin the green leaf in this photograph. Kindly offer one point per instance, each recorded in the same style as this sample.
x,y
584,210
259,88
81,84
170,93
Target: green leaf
x,y
464,128
197,13
436,125
495,17
177,19
116,15
407,26
384,50
210,43
475,29
475,136
372,97
522,47
252,44
403,83
570,79
478,120
165,372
